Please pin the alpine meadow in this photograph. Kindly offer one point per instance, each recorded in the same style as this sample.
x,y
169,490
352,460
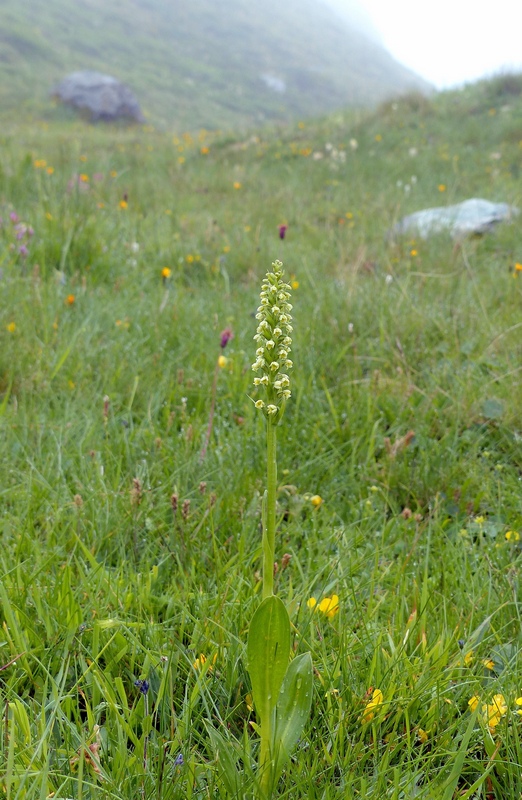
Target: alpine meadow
x,y
155,542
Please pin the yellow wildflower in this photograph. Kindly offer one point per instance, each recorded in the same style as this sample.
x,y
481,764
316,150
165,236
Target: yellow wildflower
x,y
311,603
473,702
198,663
489,663
123,204
11,327
316,500
329,606
237,185
222,361
165,273
468,658
83,177
422,735
442,187
70,299
518,701
512,536
202,660
372,705
495,711
491,713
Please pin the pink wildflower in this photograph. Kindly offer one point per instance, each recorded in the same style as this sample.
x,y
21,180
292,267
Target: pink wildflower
x,y
226,336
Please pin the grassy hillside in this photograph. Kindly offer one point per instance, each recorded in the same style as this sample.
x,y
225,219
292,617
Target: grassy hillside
x,y
197,64
131,554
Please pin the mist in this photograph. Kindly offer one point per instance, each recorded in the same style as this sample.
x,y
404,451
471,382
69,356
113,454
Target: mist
x,y
448,43
357,17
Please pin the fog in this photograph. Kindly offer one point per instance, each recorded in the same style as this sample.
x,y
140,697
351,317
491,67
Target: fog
x,y
357,16
449,42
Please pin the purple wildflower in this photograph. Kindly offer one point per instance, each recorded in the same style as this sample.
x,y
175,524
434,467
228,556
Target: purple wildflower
x,y
143,686
13,216
179,760
24,252
226,336
282,231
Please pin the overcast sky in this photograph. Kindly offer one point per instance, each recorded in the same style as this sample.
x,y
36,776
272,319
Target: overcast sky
x,y
449,42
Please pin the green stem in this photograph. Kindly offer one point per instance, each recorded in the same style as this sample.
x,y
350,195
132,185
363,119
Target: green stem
x,y
269,530
270,513
265,767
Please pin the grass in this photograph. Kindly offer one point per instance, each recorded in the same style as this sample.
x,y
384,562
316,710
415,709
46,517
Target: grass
x,y
126,558
195,65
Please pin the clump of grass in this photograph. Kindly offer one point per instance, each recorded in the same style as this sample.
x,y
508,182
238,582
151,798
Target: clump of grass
x,y
504,86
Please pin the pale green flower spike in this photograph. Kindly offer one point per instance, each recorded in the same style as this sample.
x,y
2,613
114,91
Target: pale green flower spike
x,y
273,339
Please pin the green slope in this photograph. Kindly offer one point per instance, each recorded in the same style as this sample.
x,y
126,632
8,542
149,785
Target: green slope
x,y
196,64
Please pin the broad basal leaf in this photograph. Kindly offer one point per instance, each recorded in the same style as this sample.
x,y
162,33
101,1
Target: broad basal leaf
x,y
292,709
268,651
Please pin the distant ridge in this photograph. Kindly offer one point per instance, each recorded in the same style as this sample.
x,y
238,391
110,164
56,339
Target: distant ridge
x,y
199,63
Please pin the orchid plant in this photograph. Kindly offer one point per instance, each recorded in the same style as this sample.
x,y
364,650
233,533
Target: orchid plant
x,y
281,688
282,691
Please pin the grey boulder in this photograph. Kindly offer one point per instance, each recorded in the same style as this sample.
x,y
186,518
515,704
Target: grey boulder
x,y
473,216
101,96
